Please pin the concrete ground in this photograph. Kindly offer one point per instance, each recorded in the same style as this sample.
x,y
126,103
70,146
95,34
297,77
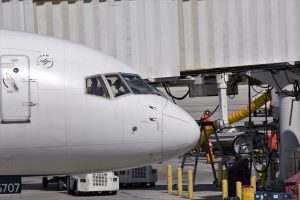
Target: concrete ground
x,y
204,189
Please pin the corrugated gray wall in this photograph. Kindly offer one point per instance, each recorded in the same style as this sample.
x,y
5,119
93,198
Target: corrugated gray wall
x,y
158,38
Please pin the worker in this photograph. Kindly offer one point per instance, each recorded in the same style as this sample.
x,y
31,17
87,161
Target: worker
x,y
95,89
272,140
206,118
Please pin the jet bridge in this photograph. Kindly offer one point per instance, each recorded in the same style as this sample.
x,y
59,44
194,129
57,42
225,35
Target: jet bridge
x,y
163,38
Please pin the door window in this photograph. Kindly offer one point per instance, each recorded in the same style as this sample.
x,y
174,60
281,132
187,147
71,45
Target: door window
x,y
117,85
95,86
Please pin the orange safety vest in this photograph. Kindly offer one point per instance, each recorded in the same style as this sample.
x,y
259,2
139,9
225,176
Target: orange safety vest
x,y
272,140
205,118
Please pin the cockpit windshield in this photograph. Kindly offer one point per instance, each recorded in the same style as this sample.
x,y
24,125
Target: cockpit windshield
x,y
137,85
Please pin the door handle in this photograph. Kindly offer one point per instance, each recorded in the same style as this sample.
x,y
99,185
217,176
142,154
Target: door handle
x,y
134,129
152,107
29,104
153,119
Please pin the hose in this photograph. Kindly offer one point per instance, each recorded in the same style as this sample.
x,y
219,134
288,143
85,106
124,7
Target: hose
x,y
244,112
239,115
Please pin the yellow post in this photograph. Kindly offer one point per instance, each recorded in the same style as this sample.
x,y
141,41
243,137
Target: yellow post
x,y
239,189
169,169
179,181
220,174
248,193
224,189
190,184
298,191
253,182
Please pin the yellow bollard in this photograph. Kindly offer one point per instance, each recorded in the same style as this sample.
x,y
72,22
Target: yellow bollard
x,y
239,189
220,175
169,169
253,182
248,193
190,184
224,189
298,191
179,181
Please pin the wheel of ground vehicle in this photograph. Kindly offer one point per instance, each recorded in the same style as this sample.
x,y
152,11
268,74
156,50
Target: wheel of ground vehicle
x,y
76,192
143,184
70,191
114,192
152,184
242,144
45,182
60,185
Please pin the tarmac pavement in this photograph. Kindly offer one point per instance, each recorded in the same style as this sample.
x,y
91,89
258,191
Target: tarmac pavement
x,y
204,189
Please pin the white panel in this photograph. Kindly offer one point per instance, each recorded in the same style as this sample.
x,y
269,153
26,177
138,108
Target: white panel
x,y
1,14
188,34
103,26
10,16
108,20
169,39
41,17
21,16
278,30
139,33
204,10
264,33
293,29
49,15
121,27
153,40
28,16
65,19
247,32
135,48
219,17
76,21
44,18
234,36
58,20
89,11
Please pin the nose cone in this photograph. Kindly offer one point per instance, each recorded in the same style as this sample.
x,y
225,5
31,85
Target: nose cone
x,y
180,131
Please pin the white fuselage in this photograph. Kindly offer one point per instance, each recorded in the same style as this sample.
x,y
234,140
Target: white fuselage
x,y
50,125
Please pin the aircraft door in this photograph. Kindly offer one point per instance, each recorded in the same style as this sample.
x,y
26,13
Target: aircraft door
x,y
15,89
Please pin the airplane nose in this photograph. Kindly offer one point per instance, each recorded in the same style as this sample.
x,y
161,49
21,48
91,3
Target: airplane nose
x,y
180,131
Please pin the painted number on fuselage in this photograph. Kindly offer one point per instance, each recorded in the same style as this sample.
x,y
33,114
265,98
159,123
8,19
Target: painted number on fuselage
x,y
10,184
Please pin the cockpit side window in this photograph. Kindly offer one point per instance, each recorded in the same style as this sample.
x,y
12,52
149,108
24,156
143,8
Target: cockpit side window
x,y
137,85
117,85
95,86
